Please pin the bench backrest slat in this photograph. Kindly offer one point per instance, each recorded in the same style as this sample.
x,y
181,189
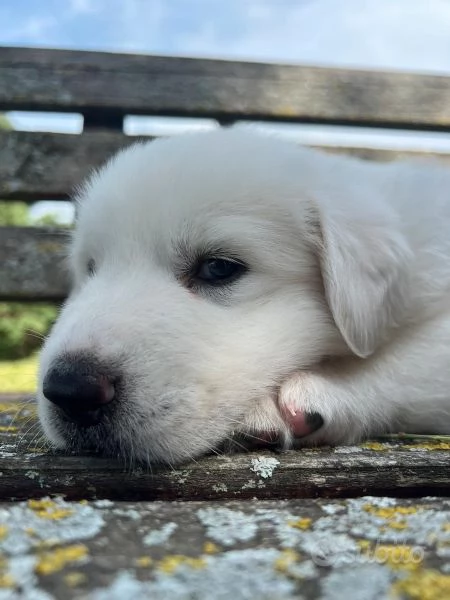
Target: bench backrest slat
x,y
115,85
32,263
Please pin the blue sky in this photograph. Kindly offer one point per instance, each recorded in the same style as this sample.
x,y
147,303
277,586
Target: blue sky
x,y
387,34
401,34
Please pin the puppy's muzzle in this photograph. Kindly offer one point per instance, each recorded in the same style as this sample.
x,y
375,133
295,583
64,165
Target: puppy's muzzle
x,y
80,389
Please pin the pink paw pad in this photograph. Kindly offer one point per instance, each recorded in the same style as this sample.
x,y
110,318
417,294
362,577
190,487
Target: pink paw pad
x,y
301,423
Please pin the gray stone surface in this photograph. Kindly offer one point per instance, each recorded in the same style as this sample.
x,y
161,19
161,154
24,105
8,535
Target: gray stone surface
x,y
362,548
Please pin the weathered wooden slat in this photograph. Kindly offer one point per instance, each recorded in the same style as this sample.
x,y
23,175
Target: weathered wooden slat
x,y
401,469
32,263
120,84
37,166
48,166
361,549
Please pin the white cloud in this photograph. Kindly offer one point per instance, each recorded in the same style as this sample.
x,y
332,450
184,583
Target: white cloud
x,y
400,34
141,23
84,7
32,30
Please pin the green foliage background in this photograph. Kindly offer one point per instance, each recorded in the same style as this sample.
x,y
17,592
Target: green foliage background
x,y
22,326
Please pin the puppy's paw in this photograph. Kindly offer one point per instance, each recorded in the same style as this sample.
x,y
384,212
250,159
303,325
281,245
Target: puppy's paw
x,y
317,410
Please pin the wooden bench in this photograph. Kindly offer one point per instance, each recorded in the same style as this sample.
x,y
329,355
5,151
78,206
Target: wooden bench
x,y
259,525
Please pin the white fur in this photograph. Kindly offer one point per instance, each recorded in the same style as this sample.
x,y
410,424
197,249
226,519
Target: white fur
x,y
344,311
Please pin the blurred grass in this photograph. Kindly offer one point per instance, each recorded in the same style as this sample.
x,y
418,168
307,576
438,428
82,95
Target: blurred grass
x,y
18,375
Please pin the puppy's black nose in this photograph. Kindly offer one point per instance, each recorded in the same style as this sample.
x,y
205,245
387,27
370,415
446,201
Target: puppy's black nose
x,y
79,389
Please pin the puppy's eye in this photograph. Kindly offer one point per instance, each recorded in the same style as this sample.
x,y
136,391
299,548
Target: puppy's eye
x,y
218,271
90,267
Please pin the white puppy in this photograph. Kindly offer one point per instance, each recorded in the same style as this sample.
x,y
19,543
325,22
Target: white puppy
x,y
229,282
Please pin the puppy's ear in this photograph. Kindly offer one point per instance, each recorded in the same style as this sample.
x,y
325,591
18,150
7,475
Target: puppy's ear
x,y
365,262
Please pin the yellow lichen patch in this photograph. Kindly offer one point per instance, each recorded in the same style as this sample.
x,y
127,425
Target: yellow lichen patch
x,y
364,545
30,531
428,446
374,446
285,561
424,584
383,512
59,513
144,561
7,428
405,510
6,581
389,512
399,556
304,523
397,524
42,504
74,578
171,562
47,509
446,527
210,548
3,531
51,562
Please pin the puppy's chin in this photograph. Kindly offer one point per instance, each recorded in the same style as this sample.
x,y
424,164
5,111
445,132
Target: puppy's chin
x,y
133,437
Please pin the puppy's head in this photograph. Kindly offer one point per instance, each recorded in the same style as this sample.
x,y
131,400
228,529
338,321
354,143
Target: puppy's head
x,y
206,269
